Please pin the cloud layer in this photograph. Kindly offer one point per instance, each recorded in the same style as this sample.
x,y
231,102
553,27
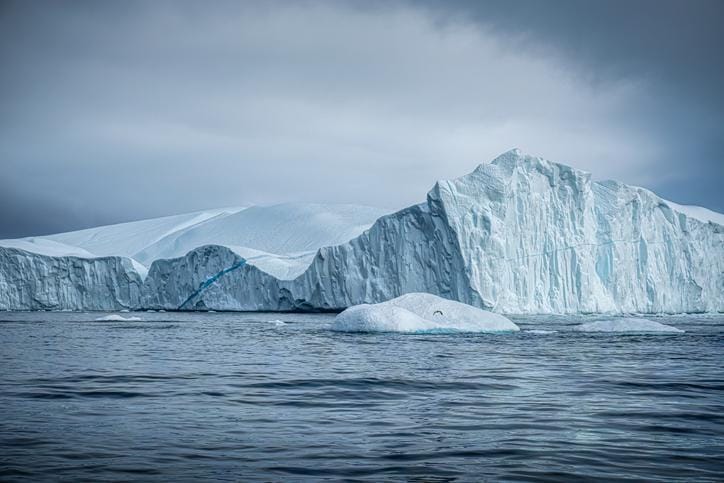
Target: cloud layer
x,y
112,112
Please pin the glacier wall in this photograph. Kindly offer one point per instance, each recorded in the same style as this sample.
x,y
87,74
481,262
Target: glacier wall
x,y
29,281
518,235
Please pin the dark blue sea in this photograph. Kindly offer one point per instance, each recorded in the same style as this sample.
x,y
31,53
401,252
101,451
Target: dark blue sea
x,y
279,397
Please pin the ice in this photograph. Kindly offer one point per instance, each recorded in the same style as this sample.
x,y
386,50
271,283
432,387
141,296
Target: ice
x,y
280,239
698,212
628,324
278,230
117,318
47,247
420,313
520,235
540,331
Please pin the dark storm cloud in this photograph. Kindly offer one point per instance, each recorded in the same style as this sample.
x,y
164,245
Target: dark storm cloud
x,y
123,110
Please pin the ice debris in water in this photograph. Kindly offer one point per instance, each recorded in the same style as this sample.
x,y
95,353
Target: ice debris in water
x,y
540,331
628,324
420,313
117,318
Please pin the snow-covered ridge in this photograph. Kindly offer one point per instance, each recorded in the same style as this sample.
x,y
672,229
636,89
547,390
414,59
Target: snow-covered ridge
x,y
518,235
279,239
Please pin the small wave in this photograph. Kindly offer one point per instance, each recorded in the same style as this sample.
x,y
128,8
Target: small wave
x,y
117,318
630,325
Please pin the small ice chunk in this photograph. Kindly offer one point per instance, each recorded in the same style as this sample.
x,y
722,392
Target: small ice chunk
x,y
117,318
540,331
420,313
631,325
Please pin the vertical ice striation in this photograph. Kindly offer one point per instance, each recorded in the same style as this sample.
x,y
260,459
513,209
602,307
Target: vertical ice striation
x,y
29,281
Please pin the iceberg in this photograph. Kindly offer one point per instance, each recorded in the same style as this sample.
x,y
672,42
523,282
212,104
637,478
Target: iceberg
x,y
40,273
420,313
632,325
31,281
519,235
117,318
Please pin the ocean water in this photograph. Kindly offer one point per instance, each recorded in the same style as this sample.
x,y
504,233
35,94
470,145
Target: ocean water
x,y
280,397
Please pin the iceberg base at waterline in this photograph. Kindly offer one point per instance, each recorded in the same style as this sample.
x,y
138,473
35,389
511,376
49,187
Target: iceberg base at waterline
x,y
420,313
117,318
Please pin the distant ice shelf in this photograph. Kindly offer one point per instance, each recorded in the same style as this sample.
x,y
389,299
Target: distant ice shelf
x,y
520,235
631,325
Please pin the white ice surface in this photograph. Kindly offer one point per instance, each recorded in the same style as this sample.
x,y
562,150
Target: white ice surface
x,y
420,313
128,239
628,324
117,318
280,239
285,229
44,246
698,212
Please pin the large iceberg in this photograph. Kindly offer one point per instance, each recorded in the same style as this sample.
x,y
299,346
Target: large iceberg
x,y
420,313
518,235
103,268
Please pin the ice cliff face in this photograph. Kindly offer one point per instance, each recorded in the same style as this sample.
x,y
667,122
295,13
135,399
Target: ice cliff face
x,y
29,281
518,235
540,237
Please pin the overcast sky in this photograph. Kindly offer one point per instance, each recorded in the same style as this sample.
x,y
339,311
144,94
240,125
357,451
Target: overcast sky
x,y
115,111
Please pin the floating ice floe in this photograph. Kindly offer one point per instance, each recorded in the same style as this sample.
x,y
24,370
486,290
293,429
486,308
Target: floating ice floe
x,y
117,318
631,325
420,313
540,331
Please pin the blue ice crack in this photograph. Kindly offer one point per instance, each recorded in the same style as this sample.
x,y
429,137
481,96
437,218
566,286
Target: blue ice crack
x,y
210,281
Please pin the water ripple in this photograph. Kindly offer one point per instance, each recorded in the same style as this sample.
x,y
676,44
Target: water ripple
x,y
231,397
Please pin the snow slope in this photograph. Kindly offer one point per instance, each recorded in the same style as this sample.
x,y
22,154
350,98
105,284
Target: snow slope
x,y
293,232
127,239
280,239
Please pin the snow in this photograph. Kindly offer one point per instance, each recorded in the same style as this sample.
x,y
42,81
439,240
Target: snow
x,y
279,239
47,247
420,313
117,318
284,267
628,324
698,212
128,239
286,229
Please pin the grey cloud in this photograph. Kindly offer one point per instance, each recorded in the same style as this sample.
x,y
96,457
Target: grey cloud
x,y
115,111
